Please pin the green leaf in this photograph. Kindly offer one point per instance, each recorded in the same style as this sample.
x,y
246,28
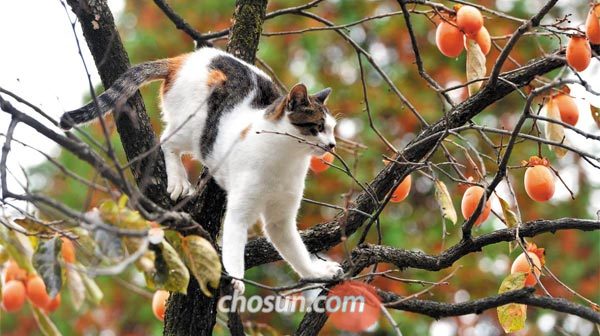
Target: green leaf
x,y
170,272
76,288
475,66
443,198
510,217
45,261
512,316
203,261
45,324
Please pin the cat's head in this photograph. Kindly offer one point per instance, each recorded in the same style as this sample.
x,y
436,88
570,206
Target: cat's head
x,y
309,117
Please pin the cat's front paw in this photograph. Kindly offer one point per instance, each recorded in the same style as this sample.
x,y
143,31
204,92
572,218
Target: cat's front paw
x,y
238,286
325,269
179,187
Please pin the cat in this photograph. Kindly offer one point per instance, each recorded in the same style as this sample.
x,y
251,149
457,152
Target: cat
x,y
256,142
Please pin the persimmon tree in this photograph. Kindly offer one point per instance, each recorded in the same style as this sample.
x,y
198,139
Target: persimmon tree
x,y
175,244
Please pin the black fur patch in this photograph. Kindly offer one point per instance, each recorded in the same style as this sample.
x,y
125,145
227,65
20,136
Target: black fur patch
x,y
266,94
241,80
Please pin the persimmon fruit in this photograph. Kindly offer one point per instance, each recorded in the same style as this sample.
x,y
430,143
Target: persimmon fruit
x,y
592,25
569,113
539,183
469,20
353,318
483,39
159,301
67,250
470,201
522,265
53,304
13,295
402,190
319,164
12,271
449,39
36,292
579,53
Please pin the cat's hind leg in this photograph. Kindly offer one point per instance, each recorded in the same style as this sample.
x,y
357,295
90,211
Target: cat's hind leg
x,y
178,184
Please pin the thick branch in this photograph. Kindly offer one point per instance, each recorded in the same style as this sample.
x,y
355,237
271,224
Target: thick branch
x,y
367,254
525,296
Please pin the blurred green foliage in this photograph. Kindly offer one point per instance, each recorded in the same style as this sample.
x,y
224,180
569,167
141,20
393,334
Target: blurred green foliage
x,y
324,59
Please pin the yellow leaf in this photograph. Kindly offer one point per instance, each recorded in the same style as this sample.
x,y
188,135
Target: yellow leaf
x,y
92,292
596,114
203,261
512,316
170,272
443,198
553,131
76,287
510,217
475,66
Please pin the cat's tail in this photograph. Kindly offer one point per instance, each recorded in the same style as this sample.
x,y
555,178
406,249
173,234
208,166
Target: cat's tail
x,y
123,88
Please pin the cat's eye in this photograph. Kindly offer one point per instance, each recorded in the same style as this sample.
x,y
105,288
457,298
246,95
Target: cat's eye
x,y
321,128
314,131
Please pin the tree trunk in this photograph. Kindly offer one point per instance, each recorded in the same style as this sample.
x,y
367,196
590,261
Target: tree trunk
x,y
192,314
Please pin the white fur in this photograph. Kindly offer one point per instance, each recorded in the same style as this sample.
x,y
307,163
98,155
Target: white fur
x,y
263,173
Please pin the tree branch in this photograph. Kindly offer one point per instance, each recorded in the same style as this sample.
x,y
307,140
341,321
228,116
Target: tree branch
x,y
524,296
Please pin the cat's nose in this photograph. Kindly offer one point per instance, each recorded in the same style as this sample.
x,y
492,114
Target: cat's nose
x,y
331,146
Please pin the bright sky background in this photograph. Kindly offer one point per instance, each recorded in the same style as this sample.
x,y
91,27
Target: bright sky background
x,y
41,63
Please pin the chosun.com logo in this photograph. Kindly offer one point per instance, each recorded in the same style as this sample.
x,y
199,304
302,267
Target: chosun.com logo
x,y
351,305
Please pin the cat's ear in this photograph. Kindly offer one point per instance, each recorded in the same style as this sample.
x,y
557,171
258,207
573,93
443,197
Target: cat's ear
x,y
322,95
298,96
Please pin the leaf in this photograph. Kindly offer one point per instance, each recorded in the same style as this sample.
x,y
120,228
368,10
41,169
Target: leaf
x,y
170,272
76,288
108,243
445,201
92,291
475,66
512,316
117,214
121,216
45,261
17,247
554,132
203,261
510,217
45,324
32,226
596,114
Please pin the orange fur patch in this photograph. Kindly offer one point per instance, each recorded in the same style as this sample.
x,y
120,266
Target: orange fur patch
x,y
175,64
215,77
245,131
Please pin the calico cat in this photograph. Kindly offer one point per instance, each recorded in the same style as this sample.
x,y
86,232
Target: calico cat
x,y
229,115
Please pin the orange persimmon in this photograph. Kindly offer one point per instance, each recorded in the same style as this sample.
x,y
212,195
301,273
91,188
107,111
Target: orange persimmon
x,y
539,183
449,39
470,201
